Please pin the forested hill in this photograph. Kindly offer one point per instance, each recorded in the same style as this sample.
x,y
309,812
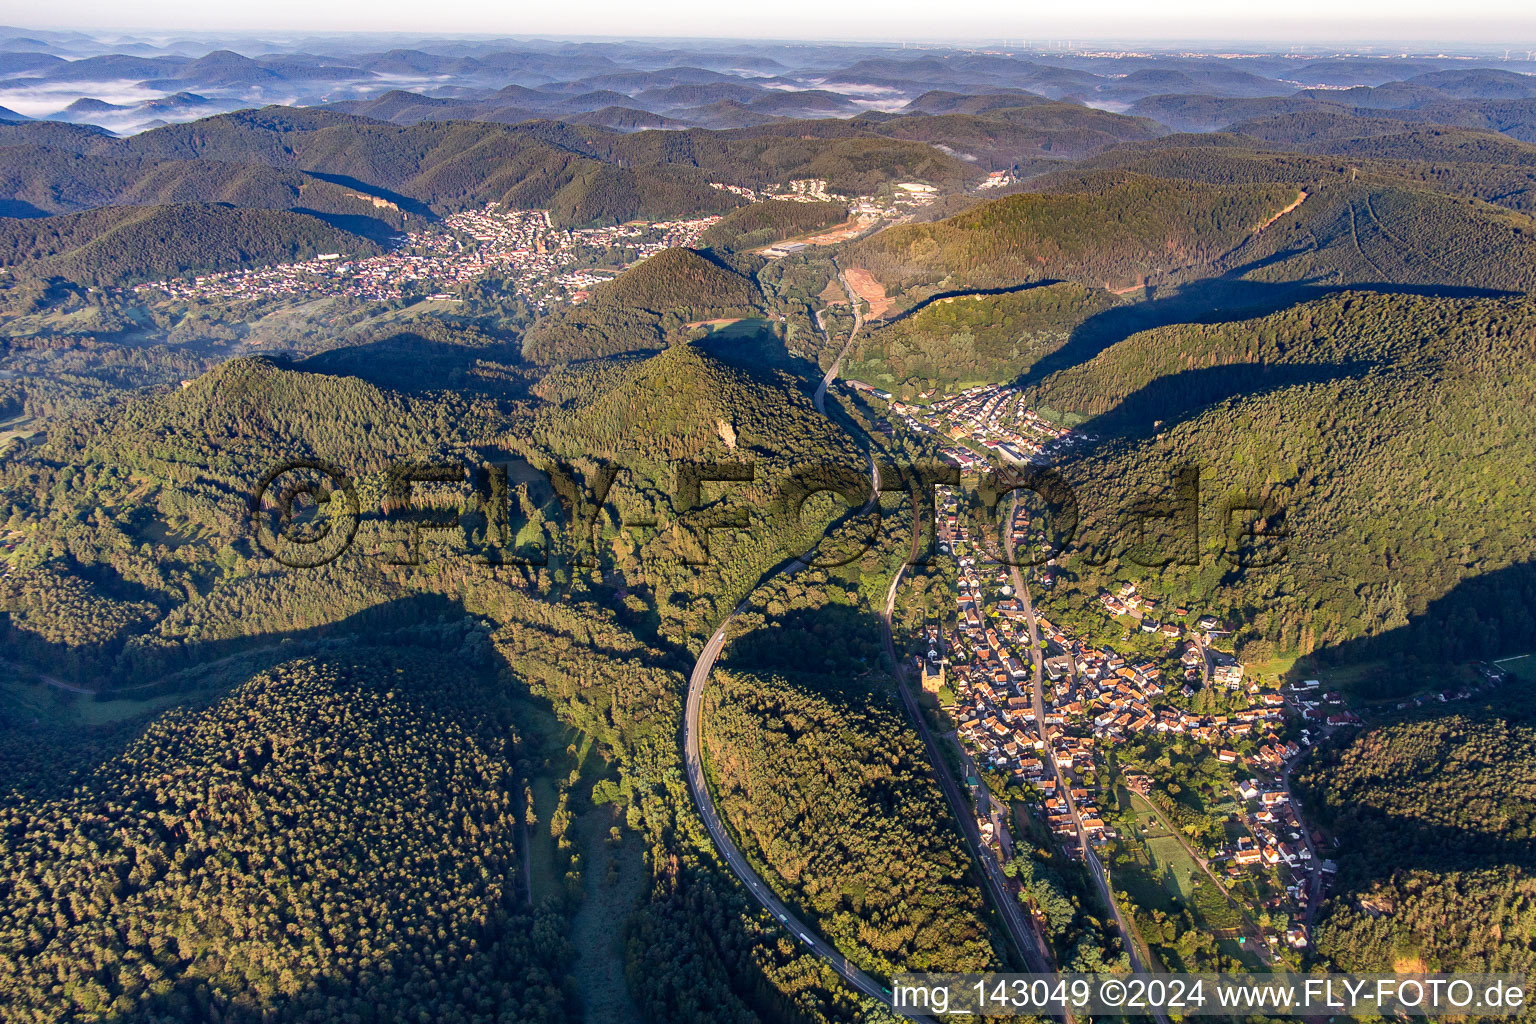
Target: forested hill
x,y
114,603
582,174
979,337
1157,374
1235,159
227,427
1373,232
334,768
1021,132
1115,232
1435,815
821,780
303,773
761,223
441,166
126,244
38,180
1121,229
848,154
1353,413
688,403
647,305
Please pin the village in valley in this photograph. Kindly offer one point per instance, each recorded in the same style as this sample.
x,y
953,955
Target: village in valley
x,y
547,265
1098,700
979,421
1120,728
1096,772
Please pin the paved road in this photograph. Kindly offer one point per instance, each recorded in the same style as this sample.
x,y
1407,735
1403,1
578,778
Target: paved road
x,y
698,786
820,398
738,863
1063,785
1020,926
1315,868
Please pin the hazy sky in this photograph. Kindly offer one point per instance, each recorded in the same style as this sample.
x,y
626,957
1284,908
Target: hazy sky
x,y
1492,22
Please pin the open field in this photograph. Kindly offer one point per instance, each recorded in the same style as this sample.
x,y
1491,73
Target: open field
x,y
1523,666
871,291
43,705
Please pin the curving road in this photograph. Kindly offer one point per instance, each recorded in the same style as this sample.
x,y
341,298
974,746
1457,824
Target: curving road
x,y
820,398
738,863
698,786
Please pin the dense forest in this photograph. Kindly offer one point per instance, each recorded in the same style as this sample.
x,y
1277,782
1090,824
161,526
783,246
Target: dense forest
x,y
1122,230
826,785
1435,815
648,306
1350,416
1226,158
341,834
436,772
581,174
39,179
443,166
974,337
140,505
1115,232
128,244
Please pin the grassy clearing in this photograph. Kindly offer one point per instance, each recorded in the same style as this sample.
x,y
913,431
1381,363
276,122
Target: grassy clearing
x,y
39,704
1277,667
613,883
544,867
1178,870
1522,667
1169,878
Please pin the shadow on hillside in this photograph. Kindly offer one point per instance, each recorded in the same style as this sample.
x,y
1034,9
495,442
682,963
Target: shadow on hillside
x,y
1386,833
410,362
1217,300
197,673
371,228
110,670
406,203
1484,617
1375,844
962,293
848,639
21,209
753,344
1178,396
438,669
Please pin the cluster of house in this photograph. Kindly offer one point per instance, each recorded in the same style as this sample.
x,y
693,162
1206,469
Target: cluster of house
x,y
804,190
1321,707
864,211
986,418
995,179
1272,815
749,194
547,264
897,201
1098,698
